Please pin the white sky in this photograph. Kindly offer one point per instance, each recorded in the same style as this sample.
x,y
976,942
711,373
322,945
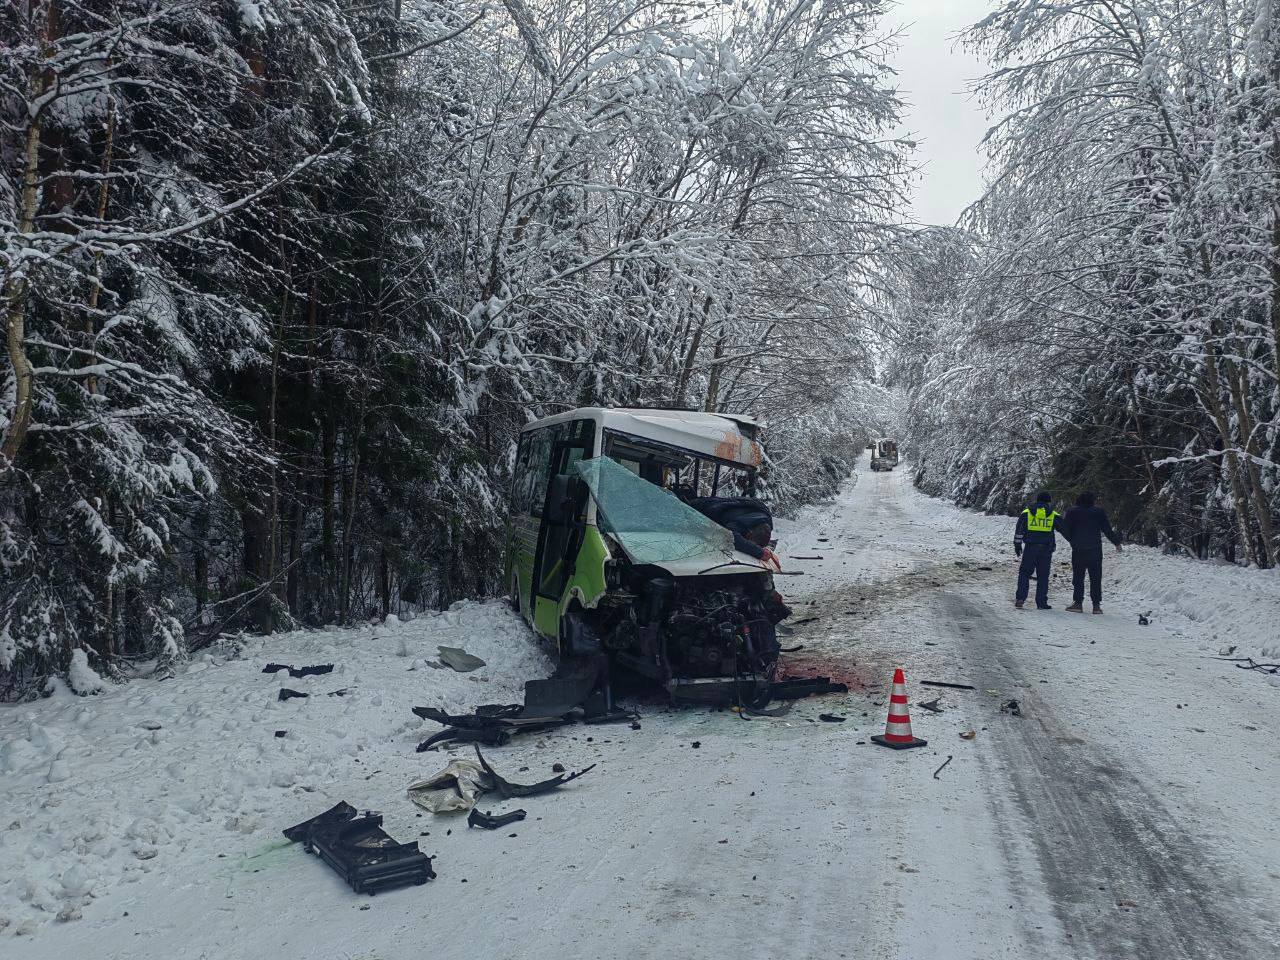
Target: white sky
x,y
933,78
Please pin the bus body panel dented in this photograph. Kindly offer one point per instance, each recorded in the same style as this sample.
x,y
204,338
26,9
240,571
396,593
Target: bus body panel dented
x,y
582,584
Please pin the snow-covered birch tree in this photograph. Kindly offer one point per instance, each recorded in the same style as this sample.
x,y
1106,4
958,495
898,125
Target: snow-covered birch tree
x,y
1125,259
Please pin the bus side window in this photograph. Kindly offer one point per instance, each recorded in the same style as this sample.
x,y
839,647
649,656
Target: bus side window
x,y
520,477
582,441
540,445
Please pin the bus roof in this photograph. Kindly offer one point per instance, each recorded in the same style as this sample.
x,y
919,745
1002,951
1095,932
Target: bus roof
x,y
719,435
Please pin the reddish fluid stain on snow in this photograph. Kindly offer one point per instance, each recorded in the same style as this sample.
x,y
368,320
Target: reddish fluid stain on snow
x,y
862,678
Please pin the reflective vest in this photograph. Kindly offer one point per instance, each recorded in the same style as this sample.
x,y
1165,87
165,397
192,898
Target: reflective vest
x,y
1038,521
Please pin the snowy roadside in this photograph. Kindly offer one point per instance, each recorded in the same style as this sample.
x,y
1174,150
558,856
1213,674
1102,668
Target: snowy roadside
x,y
166,778
1215,606
149,815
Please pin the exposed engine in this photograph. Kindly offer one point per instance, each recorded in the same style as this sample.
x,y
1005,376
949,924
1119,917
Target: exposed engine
x,y
721,627
721,633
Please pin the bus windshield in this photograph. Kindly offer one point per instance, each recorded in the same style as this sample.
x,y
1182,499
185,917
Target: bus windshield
x,y
651,524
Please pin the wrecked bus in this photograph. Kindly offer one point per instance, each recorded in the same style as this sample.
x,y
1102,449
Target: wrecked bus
x,y
607,560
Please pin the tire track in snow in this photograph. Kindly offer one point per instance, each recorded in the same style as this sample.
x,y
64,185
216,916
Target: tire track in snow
x,y
1125,878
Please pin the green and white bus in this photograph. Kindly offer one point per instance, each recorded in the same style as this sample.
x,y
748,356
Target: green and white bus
x,y
606,556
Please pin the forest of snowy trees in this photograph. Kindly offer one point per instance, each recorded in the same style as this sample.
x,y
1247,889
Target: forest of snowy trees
x,y
1108,315
282,279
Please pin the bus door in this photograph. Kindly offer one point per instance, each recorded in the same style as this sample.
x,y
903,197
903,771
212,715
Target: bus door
x,y
563,521
528,495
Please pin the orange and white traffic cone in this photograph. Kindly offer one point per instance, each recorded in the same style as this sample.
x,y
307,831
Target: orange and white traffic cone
x,y
897,729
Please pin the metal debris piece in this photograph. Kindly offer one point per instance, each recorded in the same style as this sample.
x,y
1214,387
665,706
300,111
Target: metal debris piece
x,y
797,688
489,822
831,718
939,770
781,710
1144,619
930,705
1264,667
943,683
287,694
1011,707
360,851
509,789
459,659
491,724
299,672
968,734
461,783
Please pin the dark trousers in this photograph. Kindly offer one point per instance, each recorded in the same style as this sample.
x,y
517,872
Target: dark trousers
x,y
1090,562
1037,561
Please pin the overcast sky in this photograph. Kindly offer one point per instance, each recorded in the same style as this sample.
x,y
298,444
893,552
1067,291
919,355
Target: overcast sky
x,y
933,77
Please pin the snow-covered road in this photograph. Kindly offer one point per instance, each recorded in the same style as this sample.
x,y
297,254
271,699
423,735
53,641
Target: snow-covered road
x,y
1130,811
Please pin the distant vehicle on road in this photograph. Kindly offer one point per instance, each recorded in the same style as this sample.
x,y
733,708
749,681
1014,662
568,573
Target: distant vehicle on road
x,y
884,454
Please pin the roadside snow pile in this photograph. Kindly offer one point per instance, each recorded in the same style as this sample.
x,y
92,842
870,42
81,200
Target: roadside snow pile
x,y
1229,606
172,776
82,677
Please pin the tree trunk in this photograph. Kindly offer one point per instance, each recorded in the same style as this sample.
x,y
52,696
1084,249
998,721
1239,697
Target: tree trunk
x,y
1211,395
328,535
15,298
384,582
16,287
691,355
273,521
1261,505
349,515
713,381
294,579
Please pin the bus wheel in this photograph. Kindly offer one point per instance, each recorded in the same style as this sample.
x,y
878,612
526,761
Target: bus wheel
x,y
513,596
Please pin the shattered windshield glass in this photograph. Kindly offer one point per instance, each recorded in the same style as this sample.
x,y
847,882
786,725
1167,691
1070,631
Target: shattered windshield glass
x,y
650,524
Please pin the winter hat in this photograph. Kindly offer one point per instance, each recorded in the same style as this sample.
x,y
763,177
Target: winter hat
x,y
1044,497
1086,499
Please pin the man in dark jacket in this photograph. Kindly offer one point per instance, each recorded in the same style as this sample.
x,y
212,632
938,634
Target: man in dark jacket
x,y
1034,540
749,520
1085,525
751,523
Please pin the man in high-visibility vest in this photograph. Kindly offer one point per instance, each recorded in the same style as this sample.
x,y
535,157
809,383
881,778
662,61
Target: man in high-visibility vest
x,y
1034,540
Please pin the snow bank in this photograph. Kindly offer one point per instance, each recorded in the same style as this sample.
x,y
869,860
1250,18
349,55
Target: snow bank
x,y
1227,606
180,776
81,676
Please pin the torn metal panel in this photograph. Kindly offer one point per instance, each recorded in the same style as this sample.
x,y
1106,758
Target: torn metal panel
x,y
508,789
299,672
360,851
489,822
